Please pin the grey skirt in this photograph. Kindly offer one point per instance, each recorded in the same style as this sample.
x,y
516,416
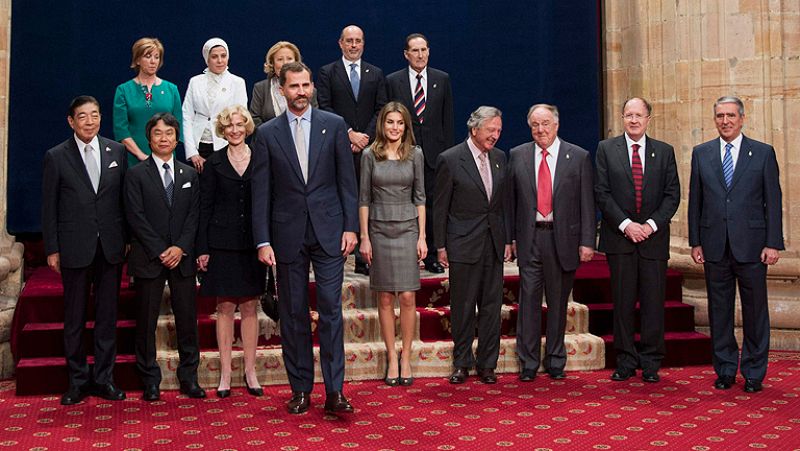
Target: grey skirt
x,y
394,255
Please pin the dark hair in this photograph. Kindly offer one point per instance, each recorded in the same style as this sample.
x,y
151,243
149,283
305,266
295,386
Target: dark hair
x,y
647,105
294,66
415,36
406,142
168,119
80,101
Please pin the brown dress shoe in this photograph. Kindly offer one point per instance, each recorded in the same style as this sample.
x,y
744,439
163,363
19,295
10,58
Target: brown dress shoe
x,y
335,402
299,403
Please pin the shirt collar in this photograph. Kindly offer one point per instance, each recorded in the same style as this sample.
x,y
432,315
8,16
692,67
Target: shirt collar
x,y
630,142
347,63
737,142
552,150
413,74
291,116
473,149
95,143
160,162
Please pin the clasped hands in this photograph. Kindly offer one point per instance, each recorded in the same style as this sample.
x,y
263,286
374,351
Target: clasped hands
x,y
638,232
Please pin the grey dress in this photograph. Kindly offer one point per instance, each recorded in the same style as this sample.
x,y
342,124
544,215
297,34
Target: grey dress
x,y
392,190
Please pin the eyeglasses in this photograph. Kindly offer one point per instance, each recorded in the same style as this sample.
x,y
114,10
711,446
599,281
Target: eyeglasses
x,y
631,116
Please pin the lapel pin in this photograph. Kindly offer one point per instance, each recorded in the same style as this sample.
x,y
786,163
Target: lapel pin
x,y
180,171
750,153
366,70
434,85
223,89
653,155
567,157
497,165
324,130
108,149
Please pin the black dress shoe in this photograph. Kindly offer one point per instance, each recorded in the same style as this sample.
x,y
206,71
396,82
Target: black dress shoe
x,y
622,375
335,402
254,391
151,393
527,375
724,382
222,394
487,376
362,268
651,377
459,376
74,395
192,390
108,391
299,403
434,267
752,386
557,375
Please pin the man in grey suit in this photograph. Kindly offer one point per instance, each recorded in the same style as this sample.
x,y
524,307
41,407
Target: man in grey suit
x,y
552,222
84,238
735,230
427,94
470,236
638,192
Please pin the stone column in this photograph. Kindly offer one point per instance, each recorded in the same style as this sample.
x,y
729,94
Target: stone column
x,y
682,56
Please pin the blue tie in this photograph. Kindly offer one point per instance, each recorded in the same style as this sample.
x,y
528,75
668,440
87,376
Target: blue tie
x,y
169,184
727,165
355,82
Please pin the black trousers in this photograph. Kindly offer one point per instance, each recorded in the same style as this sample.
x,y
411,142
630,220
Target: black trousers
x,y
430,185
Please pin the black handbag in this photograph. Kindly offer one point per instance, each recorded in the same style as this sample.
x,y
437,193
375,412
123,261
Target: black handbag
x,y
269,300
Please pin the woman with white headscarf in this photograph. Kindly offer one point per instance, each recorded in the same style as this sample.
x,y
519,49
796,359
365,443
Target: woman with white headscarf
x,y
208,94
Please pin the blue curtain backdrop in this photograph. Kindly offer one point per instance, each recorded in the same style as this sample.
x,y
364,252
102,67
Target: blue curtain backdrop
x,y
506,54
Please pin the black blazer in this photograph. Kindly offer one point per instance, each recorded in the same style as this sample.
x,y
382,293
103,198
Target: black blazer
x,y
614,192
435,134
154,224
462,214
73,215
335,95
225,206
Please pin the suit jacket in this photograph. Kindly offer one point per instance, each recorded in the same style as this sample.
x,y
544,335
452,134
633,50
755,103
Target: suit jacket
x,y
225,206
154,224
574,222
614,192
336,95
283,203
73,215
462,213
435,134
199,112
261,107
748,215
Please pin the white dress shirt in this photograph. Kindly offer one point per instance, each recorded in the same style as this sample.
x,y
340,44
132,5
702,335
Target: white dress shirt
x,y
552,159
412,80
737,145
161,170
95,143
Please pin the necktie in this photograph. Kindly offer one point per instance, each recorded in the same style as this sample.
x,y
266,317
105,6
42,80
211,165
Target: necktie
x,y
169,184
636,171
486,175
544,187
355,82
91,167
727,165
300,147
419,100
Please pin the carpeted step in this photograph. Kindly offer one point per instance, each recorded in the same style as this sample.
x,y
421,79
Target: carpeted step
x,y
47,339
683,348
43,375
678,317
592,283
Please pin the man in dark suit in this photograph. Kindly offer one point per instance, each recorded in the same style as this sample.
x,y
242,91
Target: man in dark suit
x,y
356,91
162,204
427,94
735,230
552,222
305,211
470,236
84,239
638,192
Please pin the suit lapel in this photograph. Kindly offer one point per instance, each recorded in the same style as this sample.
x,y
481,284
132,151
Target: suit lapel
x,y
623,158
529,161
287,145
652,158
408,99
318,134
468,163
562,166
716,161
158,183
106,160
340,71
497,171
743,161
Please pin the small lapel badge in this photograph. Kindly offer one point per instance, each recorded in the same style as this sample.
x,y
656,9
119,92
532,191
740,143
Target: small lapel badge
x,y
497,165
113,165
162,93
324,130
180,171
434,85
750,153
108,149
567,157
653,155
366,70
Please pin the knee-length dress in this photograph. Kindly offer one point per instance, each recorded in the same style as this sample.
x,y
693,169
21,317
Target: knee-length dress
x,y
392,189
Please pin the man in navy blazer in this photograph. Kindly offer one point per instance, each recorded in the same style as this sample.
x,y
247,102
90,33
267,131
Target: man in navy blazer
x,y
84,238
427,94
305,211
356,91
735,231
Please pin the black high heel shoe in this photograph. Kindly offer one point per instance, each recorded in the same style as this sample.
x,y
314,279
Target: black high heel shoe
x,y
404,381
255,391
390,381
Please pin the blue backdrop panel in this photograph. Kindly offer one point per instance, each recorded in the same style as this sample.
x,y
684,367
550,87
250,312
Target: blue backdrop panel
x,y
506,54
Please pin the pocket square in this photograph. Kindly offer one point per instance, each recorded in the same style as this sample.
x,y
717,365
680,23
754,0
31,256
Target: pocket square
x,y
187,185
113,165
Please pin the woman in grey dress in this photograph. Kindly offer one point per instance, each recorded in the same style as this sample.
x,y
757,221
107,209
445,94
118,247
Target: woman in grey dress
x,y
392,217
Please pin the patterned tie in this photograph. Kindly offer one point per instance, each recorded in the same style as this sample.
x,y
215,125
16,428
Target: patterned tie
x,y
419,100
355,81
91,167
169,184
486,175
300,147
727,165
636,171
544,187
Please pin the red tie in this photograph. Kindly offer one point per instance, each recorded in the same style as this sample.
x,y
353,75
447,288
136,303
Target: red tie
x,y
636,171
544,188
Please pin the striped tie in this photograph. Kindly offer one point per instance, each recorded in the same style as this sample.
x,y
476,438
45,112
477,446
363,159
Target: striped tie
x,y
169,184
419,100
727,165
636,171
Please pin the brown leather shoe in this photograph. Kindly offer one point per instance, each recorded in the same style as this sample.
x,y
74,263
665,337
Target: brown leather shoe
x,y
459,375
299,403
487,376
335,402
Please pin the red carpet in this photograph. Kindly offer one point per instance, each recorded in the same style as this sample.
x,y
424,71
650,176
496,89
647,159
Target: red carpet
x,y
585,411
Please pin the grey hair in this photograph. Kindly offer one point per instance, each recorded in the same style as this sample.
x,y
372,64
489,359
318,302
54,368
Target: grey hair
x,y
730,99
551,108
481,115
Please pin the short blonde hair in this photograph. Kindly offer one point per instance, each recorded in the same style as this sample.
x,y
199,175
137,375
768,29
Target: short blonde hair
x,y
269,66
143,46
225,118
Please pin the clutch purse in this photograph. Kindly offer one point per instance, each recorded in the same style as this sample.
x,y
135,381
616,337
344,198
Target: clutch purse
x,y
269,300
